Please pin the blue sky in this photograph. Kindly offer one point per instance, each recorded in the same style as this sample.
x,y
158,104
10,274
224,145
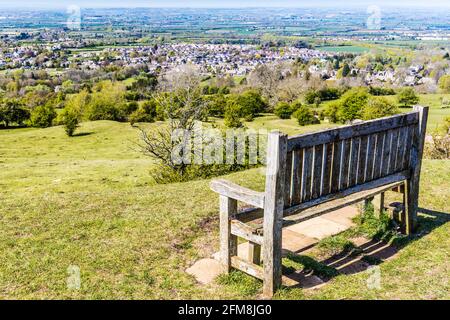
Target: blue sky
x,y
219,3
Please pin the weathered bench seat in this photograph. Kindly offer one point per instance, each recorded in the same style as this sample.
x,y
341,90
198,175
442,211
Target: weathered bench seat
x,y
316,173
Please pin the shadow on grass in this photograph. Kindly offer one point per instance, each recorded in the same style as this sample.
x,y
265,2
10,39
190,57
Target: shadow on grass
x,y
307,272
82,134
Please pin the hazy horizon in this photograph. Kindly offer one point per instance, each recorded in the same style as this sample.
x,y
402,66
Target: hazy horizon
x,y
218,4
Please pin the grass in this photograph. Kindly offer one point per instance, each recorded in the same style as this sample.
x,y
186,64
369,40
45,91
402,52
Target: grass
x,y
88,201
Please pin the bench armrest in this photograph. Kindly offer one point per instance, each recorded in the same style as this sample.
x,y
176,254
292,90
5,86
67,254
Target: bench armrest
x,y
234,191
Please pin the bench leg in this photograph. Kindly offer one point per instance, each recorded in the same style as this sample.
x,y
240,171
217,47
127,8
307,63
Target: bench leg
x,y
382,204
254,253
411,204
228,242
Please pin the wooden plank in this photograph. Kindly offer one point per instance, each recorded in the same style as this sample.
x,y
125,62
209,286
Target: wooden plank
x,y
307,174
248,267
245,232
254,253
408,146
317,171
394,147
354,162
371,150
288,180
386,153
273,211
378,160
228,242
328,162
362,160
400,149
234,191
336,166
412,186
338,200
346,132
297,164
345,167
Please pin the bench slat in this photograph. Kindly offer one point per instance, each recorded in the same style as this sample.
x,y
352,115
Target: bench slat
x,y
362,160
288,180
234,191
353,162
336,167
317,171
371,149
346,150
408,146
365,190
394,147
369,127
307,174
378,160
386,153
297,163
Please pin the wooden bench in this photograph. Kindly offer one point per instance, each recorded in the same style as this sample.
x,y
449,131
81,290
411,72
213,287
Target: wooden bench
x,y
315,173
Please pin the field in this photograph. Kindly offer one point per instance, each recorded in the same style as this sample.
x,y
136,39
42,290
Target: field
x,y
344,49
89,201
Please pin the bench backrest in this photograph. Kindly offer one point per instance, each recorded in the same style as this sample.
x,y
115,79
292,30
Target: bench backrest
x,y
330,161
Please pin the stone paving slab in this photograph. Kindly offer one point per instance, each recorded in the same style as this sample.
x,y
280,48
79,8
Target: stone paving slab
x,y
343,216
318,228
295,242
205,270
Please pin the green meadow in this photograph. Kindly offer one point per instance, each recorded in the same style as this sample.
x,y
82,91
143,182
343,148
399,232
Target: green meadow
x,y
90,202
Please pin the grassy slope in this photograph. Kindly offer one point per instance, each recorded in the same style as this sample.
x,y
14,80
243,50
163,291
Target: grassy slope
x,y
89,201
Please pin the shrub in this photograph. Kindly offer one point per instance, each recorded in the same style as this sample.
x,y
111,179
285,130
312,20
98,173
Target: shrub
x,y
232,115
305,116
145,113
107,102
352,104
42,116
378,91
69,118
332,112
444,83
216,105
378,107
438,148
246,105
283,110
407,97
12,111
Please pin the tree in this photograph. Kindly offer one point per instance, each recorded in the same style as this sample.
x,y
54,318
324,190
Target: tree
x,y
43,116
145,113
345,70
70,120
407,97
378,107
283,110
444,83
305,116
180,98
107,102
352,103
12,111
